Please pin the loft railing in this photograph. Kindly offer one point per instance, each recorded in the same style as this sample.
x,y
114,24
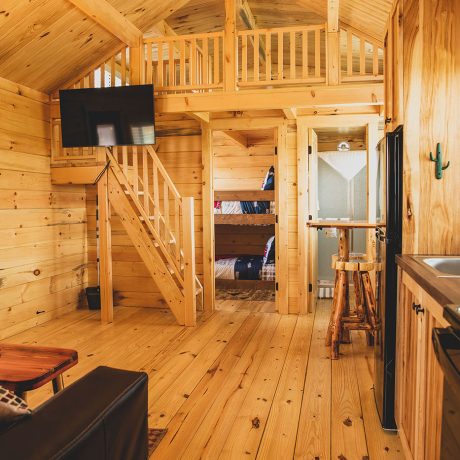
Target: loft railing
x,y
361,58
282,56
265,58
185,63
114,71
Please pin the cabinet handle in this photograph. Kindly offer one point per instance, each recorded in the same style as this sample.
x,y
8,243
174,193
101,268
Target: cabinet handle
x,y
415,306
418,308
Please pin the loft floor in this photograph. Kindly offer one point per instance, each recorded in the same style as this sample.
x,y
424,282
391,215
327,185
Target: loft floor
x,y
243,384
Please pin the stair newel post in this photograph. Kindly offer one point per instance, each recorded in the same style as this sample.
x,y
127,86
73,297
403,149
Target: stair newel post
x,y
105,250
156,198
145,179
177,234
188,239
135,171
166,214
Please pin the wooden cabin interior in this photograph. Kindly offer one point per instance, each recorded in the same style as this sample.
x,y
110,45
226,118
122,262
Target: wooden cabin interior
x,y
229,229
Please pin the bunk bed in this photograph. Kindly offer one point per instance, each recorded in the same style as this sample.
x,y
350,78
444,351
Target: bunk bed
x,y
243,270
247,271
240,266
232,207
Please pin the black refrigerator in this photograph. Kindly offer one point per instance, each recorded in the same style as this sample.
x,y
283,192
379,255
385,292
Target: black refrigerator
x,y
389,244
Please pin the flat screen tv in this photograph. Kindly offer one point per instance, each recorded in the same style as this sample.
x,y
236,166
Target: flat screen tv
x,y
107,116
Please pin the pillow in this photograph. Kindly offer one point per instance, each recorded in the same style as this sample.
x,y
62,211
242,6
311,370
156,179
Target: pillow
x,y
269,181
269,252
12,407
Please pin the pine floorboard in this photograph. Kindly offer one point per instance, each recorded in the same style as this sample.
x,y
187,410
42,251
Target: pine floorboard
x,y
245,383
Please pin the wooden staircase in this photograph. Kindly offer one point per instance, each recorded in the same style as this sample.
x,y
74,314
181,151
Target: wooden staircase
x,y
160,224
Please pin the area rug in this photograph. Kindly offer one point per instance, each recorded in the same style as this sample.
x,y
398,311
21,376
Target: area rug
x,y
155,437
263,295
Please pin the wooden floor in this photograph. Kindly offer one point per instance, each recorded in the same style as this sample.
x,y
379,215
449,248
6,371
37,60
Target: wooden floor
x,y
245,383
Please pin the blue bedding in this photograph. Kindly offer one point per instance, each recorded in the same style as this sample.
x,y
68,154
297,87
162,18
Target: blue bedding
x,y
248,268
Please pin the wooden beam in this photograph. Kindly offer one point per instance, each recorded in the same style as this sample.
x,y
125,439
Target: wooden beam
x,y
238,137
333,43
282,228
314,96
109,18
160,29
136,63
332,15
188,238
208,217
199,116
230,46
302,214
333,58
290,113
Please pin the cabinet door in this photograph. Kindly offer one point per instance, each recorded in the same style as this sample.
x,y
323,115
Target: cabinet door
x,y
394,70
433,395
419,378
410,328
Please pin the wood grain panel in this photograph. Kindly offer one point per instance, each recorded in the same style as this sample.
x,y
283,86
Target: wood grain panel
x,y
42,227
431,115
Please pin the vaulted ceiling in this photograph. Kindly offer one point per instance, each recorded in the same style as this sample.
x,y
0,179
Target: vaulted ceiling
x,y
43,43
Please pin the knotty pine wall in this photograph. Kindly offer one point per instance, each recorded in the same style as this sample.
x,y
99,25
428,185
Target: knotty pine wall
x,y
293,262
42,227
179,149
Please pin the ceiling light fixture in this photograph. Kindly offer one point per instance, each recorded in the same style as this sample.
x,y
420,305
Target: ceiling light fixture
x,y
343,147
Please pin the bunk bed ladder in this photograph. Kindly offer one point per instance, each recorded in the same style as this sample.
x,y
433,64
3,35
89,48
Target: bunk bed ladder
x,y
160,225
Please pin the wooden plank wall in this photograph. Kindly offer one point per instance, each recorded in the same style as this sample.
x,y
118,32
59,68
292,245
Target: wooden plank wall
x,y
293,261
431,114
239,168
42,227
179,148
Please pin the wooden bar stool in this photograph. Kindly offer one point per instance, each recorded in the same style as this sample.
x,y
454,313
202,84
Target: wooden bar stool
x,y
363,316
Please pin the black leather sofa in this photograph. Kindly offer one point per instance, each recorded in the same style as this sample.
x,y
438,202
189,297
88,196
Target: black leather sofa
x,y
102,416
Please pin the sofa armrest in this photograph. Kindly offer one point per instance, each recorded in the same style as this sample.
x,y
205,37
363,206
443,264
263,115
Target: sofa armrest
x,y
101,416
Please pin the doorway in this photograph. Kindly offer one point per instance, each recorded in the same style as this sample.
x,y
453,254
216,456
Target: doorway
x,y
337,167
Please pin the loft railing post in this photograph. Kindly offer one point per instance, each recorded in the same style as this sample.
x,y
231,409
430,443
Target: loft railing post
x,y
332,38
188,241
230,57
136,58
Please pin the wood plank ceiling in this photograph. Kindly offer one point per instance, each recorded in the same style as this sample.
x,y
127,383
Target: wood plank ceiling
x,y
43,43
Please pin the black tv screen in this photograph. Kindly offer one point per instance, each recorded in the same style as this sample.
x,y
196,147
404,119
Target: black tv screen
x,y
107,116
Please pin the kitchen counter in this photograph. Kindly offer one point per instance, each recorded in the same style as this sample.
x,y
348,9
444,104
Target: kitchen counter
x,y
443,290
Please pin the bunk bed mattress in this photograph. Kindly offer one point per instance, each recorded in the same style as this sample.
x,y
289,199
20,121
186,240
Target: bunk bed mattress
x,y
235,207
239,268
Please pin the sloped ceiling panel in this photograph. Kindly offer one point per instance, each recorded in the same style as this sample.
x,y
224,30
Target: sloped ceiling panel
x,y
44,42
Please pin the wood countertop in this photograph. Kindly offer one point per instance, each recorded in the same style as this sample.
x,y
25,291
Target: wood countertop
x,y
347,224
443,290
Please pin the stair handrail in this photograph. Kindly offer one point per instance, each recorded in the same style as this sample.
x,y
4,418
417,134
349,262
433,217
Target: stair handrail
x,y
162,170
157,238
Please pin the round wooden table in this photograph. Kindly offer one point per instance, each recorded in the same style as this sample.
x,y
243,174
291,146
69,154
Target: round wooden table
x,y
364,317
